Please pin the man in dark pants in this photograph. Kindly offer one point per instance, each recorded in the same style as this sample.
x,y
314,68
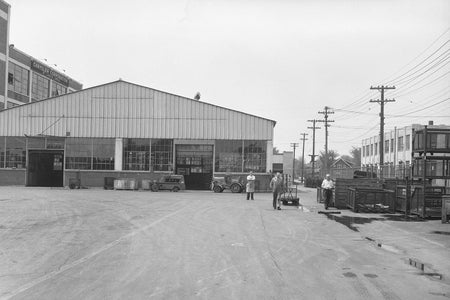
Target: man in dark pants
x,y
276,184
327,186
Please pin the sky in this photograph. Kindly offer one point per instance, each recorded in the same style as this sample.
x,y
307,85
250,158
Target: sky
x,y
283,60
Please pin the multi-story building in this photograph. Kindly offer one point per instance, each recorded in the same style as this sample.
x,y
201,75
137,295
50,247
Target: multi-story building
x,y
23,78
397,148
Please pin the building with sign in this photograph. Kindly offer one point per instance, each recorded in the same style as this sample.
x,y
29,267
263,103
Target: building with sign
x,y
124,130
24,79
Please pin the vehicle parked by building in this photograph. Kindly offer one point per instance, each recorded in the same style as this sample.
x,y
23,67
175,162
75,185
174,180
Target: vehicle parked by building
x,y
228,182
174,183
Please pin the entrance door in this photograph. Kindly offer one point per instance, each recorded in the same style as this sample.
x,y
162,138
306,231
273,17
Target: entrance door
x,y
195,162
45,168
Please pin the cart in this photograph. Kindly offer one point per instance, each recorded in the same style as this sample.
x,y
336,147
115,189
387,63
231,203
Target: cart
x,y
288,198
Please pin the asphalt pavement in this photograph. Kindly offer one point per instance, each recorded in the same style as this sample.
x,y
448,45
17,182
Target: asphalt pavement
x,y
96,244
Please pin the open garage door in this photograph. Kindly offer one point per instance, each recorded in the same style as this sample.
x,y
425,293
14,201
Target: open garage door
x,y
45,168
195,162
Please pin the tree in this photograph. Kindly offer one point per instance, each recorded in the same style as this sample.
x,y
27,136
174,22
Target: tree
x,y
332,156
356,155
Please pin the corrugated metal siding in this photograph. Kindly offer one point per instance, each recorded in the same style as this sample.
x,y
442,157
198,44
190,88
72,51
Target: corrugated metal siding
x,y
122,109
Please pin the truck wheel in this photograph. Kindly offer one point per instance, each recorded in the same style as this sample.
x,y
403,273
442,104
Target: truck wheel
x,y
175,189
154,188
217,189
235,188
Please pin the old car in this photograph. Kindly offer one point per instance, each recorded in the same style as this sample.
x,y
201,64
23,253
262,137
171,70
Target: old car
x,y
173,183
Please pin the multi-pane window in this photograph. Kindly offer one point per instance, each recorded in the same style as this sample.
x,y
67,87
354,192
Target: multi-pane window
x,y
136,154
162,155
228,156
40,87
400,143
392,145
407,142
15,153
58,89
255,156
103,151
79,153
386,146
18,78
375,148
371,149
2,151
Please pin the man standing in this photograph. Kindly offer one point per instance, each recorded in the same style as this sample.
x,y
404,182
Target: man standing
x,y
327,186
250,187
276,184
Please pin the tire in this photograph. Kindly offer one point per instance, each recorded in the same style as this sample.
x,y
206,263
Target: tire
x,y
217,189
235,188
175,189
154,188
72,186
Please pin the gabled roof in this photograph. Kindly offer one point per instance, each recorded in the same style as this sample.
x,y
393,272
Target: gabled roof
x,y
347,163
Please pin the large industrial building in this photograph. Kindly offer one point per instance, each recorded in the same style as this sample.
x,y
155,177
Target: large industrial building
x,y
125,130
23,78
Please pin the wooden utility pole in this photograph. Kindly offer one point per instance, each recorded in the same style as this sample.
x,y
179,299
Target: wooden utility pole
x,y
382,101
303,139
326,112
295,145
313,156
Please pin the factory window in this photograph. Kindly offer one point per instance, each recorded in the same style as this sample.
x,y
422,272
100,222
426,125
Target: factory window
x,y
228,156
407,142
392,145
400,143
15,152
2,151
58,89
103,151
40,87
386,146
371,149
136,154
255,156
375,149
162,155
18,79
79,153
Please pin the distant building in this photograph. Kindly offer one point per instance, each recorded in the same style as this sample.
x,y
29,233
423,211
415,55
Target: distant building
x,y
283,162
397,146
23,78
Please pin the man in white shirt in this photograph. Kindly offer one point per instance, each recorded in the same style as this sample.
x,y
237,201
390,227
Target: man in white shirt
x,y
327,186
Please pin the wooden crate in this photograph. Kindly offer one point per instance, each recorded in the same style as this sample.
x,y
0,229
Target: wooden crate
x,y
371,200
343,184
125,184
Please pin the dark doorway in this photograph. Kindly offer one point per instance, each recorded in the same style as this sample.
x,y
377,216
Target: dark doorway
x,y
45,168
195,162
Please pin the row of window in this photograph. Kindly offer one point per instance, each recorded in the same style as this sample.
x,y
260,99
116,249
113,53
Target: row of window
x,y
389,146
18,82
138,154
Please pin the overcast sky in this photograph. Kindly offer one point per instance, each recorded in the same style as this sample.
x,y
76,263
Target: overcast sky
x,y
281,60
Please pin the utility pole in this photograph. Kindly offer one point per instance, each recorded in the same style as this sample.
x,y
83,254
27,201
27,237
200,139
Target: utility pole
x,y
303,139
313,156
382,101
295,145
326,112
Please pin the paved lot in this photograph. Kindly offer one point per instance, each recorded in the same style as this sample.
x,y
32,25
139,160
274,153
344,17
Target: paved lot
x,y
95,244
